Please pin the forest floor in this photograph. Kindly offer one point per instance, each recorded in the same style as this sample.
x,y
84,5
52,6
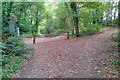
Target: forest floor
x,y
83,57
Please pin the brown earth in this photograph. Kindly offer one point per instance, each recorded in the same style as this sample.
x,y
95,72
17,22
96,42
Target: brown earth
x,y
58,57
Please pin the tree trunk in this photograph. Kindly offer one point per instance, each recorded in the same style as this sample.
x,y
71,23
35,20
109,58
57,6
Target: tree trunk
x,y
107,16
67,34
119,13
115,14
66,26
73,6
110,22
76,26
73,31
34,38
36,26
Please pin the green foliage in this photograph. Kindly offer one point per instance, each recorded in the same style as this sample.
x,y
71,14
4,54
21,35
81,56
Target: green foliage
x,y
5,59
27,35
2,45
114,23
117,38
90,29
16,41
58,32
13,52
27,16
25,26
41,30
15,46
115,62
52,16
12,66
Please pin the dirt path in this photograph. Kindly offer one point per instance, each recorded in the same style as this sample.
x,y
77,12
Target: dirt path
x,y
58,57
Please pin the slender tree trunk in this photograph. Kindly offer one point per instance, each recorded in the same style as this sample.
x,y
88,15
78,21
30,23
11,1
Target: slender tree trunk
x,y
36,26
66,26
72,26
106,22
32,26
119,13
110,17
73,31
115,14
34,38
67,34
76,26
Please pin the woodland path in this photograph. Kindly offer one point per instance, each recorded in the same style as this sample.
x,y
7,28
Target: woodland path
x,y
83,57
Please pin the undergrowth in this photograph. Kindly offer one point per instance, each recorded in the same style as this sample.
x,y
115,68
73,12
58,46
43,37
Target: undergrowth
x,y
116,37
13,52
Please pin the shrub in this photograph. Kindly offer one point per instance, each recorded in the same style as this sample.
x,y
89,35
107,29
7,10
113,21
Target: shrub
x,y
12,66
27,35
97,26
115,62
116,37
13,52
58,32
90,29
15,47
114,23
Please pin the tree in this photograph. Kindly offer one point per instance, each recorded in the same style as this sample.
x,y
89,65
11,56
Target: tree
x,y
38,15
119,13
6,11
73,6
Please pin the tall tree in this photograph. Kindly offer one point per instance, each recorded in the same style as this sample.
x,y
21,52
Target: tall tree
x,y
73,6
36,24
38,10
119,13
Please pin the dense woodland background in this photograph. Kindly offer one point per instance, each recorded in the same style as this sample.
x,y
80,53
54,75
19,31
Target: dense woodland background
x,y
35,19
51,19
